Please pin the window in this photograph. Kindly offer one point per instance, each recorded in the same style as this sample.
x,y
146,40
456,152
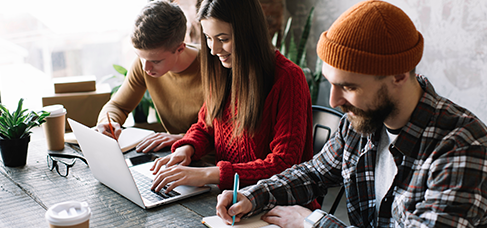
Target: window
x,y
40,40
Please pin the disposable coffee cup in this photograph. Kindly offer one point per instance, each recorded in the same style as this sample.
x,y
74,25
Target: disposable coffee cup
x,y
54,126
72,214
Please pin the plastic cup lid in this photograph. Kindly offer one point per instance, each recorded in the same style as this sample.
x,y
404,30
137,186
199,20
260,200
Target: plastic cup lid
x,y
55,110
68,213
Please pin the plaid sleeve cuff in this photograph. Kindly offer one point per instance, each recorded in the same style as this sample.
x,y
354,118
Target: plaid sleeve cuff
x,y
258,197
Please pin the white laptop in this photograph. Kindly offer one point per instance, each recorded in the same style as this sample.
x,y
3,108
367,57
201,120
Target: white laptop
x,y
109,166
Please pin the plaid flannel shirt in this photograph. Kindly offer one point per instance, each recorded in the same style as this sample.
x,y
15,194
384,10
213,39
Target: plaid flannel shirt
x,y
441,180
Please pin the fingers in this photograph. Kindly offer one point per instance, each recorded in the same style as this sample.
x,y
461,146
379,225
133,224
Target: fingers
x,y
276,216
104,128
148,145
158,163
179,175
177,159
118,130
225,200
272,219
157,142
100,127
170,160
172,185
287,216
182,155
163,179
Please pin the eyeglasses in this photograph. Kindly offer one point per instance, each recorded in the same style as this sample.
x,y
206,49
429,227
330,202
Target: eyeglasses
x,y
62,166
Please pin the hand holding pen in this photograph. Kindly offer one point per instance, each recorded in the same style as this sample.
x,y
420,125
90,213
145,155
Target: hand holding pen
x,y
111,129
226,209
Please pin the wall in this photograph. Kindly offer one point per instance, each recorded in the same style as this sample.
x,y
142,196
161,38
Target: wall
x,y
455,33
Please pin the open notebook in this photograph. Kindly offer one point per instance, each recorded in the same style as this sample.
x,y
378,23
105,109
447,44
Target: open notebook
x,y
252,222
129,138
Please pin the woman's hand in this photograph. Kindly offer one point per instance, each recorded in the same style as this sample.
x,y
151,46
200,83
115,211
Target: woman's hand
x,y
184,175
182,155
177,173
157,141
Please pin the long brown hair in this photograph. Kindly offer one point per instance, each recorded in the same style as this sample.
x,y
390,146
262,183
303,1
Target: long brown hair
x,y
252,74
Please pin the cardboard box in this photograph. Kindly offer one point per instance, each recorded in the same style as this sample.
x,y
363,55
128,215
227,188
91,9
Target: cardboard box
x,y
83,106
74,84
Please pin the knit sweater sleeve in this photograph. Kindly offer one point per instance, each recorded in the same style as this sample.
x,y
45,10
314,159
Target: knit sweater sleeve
x,y
200,136
288,112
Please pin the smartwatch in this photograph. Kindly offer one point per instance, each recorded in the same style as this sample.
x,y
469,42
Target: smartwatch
x,y
313,219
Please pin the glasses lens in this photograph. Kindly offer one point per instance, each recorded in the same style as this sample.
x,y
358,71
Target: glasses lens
x,y
50,162
62,169
62,165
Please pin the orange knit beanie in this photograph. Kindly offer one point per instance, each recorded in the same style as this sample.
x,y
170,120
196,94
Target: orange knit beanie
x,y
373,37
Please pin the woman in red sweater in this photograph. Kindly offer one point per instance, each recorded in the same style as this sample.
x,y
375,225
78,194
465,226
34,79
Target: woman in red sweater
x,y
257,112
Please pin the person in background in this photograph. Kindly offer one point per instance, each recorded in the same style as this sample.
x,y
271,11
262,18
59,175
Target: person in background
x,y
257,112
406,156
168,68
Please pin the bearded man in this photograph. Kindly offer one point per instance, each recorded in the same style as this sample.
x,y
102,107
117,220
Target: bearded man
x,y
406,156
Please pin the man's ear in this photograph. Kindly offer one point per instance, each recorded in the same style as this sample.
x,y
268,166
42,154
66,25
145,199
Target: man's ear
x,y
181,48
401,78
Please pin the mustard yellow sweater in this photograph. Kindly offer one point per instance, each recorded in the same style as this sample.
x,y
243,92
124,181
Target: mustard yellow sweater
x,y
177,97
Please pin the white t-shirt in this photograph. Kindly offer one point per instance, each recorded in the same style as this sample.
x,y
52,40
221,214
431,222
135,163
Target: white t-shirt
x,y
385,167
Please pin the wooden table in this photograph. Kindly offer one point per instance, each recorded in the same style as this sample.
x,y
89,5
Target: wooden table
x,y
27,192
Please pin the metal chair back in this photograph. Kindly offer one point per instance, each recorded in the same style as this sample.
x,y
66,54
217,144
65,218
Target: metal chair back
x,y
325,123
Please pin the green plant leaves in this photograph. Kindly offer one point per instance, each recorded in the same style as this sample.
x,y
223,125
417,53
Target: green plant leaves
x,y
297,54
18,124
301,55
120,69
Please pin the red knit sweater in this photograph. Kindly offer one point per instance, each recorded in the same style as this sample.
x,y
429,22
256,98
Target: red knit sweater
x,y
283,139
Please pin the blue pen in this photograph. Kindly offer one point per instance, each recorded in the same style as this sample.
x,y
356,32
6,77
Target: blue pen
x,y
236,183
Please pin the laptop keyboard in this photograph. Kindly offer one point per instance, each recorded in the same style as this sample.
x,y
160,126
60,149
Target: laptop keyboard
x,y
144,184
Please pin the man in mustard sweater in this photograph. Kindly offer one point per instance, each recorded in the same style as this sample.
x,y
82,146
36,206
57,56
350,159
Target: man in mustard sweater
x,y
166,67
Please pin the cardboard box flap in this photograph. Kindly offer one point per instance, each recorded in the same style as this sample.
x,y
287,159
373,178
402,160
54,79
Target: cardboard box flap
x,y
74,84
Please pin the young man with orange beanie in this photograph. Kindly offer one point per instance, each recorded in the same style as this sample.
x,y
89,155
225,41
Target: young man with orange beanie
x,y
406,156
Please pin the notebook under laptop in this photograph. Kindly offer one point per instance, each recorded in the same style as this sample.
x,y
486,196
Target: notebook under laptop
x,y
108,165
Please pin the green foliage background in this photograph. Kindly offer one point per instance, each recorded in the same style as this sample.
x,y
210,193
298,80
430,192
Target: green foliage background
x,y
297,54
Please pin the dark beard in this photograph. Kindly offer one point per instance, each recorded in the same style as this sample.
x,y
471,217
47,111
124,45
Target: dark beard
x,y
367,122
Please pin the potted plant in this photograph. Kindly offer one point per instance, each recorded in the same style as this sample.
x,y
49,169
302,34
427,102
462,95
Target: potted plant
x,y
15,133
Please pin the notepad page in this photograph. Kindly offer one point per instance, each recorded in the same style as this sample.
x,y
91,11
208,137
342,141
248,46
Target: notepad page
x,y
130,137
252,222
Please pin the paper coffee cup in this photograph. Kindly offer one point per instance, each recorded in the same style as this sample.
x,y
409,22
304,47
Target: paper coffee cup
x,y
72,214
54,126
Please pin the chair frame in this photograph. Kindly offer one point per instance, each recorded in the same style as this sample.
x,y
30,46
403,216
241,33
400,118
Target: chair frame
x,y
316,126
